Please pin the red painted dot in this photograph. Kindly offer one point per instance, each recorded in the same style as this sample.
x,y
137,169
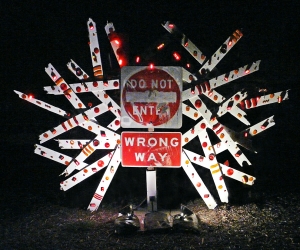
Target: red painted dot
x,y
90,104
203,125
198,184
221,178
195,158
106,145
100,163
96,110
78,89
204,144
236,97
211,157
96,50
117,122
116,84
230,171
198,103
95,142
95,84
206,195
63,86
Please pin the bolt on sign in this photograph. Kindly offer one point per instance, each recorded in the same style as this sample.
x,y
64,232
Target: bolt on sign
x,y
151,149
151,98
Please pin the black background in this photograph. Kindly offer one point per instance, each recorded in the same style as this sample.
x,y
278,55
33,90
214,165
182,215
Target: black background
x,y
35,33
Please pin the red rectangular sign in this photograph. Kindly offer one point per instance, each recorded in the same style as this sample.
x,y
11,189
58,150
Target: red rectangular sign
x,y
151,149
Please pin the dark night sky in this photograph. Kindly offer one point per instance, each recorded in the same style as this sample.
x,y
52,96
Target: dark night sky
x,y
35,33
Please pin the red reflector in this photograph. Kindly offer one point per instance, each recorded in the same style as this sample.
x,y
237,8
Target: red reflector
x,y
176,56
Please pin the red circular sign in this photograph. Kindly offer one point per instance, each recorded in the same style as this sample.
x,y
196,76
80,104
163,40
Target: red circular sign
x,y
151,97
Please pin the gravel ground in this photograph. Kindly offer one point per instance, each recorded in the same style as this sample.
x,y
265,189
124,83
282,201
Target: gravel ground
x,y
267,222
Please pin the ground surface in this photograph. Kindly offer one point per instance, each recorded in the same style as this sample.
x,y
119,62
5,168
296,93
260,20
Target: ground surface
x,y
269,221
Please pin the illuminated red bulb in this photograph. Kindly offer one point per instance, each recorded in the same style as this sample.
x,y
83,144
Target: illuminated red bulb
x,y
247,71
160,46
171,25
137,59
91,26
54,77
176,56
117,42
151,66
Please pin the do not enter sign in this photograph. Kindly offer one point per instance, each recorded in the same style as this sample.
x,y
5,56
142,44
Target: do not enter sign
x,y
151,149
151,98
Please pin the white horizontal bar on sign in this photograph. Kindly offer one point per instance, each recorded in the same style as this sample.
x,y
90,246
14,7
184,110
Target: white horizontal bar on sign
x,y
234,74
85,87
41,104
262,126
237,175
85,173
73,122
52,155
151,96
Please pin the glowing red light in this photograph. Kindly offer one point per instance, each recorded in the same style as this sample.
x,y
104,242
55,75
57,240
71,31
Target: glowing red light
x,y
54,77
30,96
160,46
176,56
226,79
137,59
91,26
188,65
117,42
151,66
171,25
247,71
120,62
229,43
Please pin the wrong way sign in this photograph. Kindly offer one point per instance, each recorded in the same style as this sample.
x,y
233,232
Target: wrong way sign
x,y
151,98
151,149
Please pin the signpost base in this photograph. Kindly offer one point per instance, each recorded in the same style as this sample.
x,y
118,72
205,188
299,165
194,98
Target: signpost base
x,y
151,189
